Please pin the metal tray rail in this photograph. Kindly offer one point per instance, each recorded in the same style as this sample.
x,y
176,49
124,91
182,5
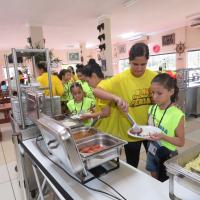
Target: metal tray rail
x,y
175,168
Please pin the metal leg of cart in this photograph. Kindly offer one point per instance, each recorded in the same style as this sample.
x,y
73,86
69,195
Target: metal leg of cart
x,y
171,188
43,186
40,188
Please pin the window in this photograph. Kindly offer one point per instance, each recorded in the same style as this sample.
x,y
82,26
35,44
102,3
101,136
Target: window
x,y
164,61
11,72
123,64
193,59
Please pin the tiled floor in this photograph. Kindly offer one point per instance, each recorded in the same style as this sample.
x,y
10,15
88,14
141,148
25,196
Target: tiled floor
x,y
9,185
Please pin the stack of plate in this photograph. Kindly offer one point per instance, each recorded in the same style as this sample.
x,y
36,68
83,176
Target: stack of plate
x,y
16,111
56,106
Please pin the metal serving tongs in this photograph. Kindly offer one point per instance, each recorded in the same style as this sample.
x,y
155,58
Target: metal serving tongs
x,y
135,126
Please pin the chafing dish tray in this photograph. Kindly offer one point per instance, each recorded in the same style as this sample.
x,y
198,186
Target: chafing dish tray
x,y
66,144
68,122
177,171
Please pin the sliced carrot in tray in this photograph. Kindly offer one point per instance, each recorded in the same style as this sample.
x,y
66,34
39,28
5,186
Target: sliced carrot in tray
x,y
92,149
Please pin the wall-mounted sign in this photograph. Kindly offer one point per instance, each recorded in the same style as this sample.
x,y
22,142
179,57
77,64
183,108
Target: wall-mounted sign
x,y
168,39
73,56
122,49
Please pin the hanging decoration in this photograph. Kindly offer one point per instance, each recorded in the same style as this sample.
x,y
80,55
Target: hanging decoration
x,y
156,48
180,48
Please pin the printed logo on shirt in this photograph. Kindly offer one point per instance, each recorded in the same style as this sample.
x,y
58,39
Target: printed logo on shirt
x,y
141,97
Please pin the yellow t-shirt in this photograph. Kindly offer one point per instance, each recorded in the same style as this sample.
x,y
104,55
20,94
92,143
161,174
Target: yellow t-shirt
x,y
135,90
74,78
57,87
106,124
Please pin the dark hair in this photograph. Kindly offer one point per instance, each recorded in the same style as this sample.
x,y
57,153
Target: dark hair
x,y
138,50
79,70
92,61
20,72
90,69
62,73
72,69
3,83
42,65
76,84
79,66
169,83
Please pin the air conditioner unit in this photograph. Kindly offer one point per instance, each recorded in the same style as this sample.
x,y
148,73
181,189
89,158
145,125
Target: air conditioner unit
x,y
140,38
128,3
193,20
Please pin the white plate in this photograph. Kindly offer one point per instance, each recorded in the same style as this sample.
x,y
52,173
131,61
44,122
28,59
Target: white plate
x,y
68,123
146,132
75,117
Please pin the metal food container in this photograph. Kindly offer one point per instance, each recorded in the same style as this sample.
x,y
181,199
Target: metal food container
x,y
56,106
177,172
35,101
82,132
111,148
68,122
65,143
16,111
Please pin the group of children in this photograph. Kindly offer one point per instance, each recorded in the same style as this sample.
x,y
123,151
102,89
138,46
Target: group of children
x,y
78,98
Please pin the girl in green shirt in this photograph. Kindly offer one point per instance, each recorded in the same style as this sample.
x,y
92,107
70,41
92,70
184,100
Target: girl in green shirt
x,y
80,104
170,119
65,76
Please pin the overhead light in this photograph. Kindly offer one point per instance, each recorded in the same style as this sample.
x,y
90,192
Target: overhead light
x,y
72,46
89,45
130,35
128,3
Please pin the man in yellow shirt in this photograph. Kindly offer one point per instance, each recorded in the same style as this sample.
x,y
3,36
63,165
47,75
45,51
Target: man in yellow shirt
x,y
130,91
57,87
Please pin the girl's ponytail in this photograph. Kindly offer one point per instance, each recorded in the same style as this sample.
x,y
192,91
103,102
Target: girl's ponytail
x,y
174,97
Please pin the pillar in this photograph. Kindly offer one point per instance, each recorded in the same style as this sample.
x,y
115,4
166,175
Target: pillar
x,y
104,28
36,35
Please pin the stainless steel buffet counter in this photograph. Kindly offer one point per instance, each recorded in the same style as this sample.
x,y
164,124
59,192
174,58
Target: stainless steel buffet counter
x,y
130,182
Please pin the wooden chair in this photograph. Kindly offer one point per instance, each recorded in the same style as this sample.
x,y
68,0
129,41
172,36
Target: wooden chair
x,y
5,107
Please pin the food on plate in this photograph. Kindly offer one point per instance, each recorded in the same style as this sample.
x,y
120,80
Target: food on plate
x,y
75,116
69,123
92,149
194,165
136,131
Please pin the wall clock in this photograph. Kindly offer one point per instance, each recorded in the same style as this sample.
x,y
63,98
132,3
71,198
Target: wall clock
x,y
180,48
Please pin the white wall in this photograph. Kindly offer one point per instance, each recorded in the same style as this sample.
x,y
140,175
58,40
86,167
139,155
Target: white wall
x,y
189,36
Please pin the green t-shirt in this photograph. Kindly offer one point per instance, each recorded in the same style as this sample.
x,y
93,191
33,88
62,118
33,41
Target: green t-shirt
x,y
87,89
81,107
67,96
169,123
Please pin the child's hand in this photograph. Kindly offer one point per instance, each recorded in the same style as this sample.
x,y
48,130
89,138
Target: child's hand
x,y
156,136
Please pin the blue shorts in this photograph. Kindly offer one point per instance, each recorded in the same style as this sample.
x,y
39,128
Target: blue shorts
x,y
151,163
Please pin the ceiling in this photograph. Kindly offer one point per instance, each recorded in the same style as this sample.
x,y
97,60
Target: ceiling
x,y
68,22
